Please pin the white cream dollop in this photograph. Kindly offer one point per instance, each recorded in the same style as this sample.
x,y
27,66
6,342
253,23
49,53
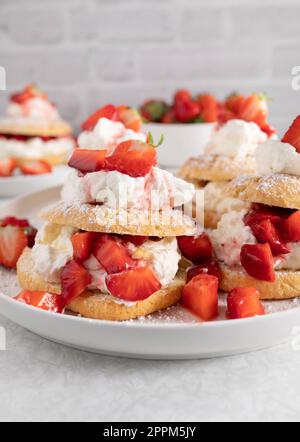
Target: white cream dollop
x,y
34,108
50,258
108,134
276,157
36,148
158,190
236,139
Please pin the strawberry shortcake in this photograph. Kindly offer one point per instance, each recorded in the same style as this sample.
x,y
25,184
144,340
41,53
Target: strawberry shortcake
x,y
109,248
33,137
230,153
260,246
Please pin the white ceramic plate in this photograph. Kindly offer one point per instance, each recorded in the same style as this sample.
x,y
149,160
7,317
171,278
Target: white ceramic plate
x,y
172,334
23,184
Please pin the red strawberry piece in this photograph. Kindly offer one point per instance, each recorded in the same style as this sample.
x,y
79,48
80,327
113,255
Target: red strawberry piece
x,y
244,303
130,118
200,296
13,241
234,102
269,130
224,115
186,111
169,117
254,109
7,166
88,161
206,268
154,110
258,261
132,158
110,112
42,300
74,281
291,227
293,135
133,285
136,240
196,248
13,221
266,232
83,243
182,95
112,255
30,91
208,108
259,212
36,167
31,233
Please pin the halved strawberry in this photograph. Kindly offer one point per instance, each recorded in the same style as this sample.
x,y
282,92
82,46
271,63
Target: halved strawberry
x,y
293,135
13,221
196,248
133,285
112,255
254,109
208,108
87,161
7,166
74,280
83,243
136,240
291,227
42,300
258,261
110,112
200,296
35,167
244,303
13,241
266,232
154,110
132,158
130,118
206,268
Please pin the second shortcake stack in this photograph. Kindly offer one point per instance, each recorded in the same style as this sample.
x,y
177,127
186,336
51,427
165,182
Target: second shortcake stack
x,y
109,248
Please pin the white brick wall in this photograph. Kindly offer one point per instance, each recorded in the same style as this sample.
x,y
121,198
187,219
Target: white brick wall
x,y
89,52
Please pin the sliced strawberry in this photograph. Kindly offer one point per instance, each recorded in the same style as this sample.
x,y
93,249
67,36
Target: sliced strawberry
x,y
200,296
42,300
132,158
293,135
186,111
154,110
206,268
133,285
30,91
254,109
291,227
110,112
258,261
259,212
7,166
266,232
83,244
196,248
130,118
13,241
13,221
208,108
35,167
88,161
244,303
112,255
74,281
136,240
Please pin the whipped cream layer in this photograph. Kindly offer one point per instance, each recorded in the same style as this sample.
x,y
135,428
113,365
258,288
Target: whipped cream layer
x,y
50,257
157,190
274,157
230,236
34,108
215,200
36,148
237,139
108,134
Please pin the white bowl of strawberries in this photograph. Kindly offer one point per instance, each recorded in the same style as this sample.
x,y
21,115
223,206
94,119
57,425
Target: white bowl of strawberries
x,y
186,125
